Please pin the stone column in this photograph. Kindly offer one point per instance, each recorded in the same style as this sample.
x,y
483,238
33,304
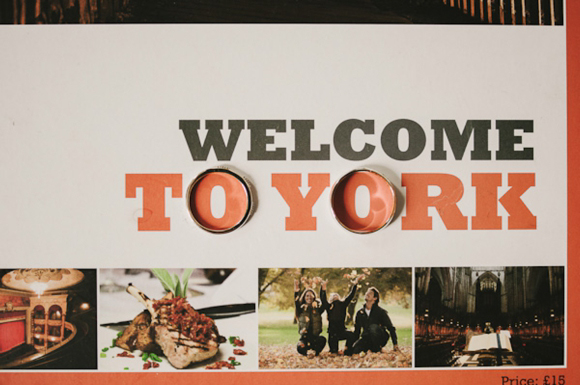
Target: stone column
x,y
29,326
46,330
62,327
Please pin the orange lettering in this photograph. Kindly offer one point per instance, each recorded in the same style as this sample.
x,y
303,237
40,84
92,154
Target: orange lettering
x,y
418,201
153,186
486,217
300,207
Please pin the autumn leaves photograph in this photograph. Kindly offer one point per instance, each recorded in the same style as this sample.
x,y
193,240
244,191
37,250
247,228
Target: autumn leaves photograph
x,y
335,318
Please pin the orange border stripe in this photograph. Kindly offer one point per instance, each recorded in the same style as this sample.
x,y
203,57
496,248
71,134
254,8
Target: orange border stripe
x,y
434,377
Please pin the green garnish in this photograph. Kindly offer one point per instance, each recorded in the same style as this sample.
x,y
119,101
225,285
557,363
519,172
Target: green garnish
x,y
145,357
154,357
172,283
103,355
114,342
104,349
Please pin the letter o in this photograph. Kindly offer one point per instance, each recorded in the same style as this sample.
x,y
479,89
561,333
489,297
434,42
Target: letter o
x,y
383,201
390,139
238,200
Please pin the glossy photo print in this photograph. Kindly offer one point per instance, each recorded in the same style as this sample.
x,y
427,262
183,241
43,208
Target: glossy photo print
x,y
489,316
48,319
176,319
520,12
335,318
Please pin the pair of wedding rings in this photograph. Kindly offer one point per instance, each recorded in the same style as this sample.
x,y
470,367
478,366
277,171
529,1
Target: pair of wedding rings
x,y
240,201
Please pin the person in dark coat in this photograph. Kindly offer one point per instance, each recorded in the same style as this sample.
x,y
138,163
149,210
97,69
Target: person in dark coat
x,y
336,313
374,322
309,314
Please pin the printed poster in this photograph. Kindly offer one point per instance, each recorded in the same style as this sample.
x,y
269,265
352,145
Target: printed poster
x,y
325,191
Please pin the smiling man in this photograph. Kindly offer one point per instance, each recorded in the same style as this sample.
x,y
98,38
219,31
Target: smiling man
x,y
374,322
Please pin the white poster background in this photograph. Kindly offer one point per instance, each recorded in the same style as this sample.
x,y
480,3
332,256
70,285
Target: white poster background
x,y
81,106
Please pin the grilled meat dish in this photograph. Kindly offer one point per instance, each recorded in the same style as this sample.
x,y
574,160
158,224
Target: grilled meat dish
x,y
184,335
139,335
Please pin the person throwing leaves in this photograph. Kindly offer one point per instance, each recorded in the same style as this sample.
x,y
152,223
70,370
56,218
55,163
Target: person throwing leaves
x,y
374,322
309,314
336,312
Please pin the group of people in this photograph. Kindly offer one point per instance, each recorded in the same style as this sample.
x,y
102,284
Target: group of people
x,y
372,320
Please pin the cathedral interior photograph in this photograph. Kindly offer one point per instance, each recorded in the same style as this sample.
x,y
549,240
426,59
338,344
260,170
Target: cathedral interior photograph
x,y
489,316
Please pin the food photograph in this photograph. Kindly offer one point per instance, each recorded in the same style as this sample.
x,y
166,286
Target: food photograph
x,y
177,319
